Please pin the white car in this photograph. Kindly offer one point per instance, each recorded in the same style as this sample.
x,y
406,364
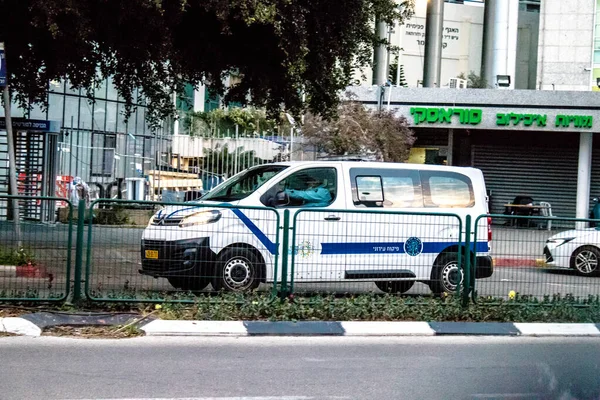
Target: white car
x,y
576,249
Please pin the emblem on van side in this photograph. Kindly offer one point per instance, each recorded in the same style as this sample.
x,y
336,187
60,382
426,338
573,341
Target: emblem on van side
x,y
305,249
413,246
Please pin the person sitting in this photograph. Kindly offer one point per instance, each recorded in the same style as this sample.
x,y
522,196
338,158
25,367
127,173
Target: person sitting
x,y
315,195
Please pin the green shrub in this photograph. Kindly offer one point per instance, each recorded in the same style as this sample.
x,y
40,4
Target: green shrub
x,y
111,216
16,257
365,307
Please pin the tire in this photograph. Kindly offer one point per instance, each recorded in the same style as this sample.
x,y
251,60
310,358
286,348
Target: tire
x,y
445,275
394,286
238,270
189,283
586,261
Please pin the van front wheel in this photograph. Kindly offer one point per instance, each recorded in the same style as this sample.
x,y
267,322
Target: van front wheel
x,y
445,275
394,286
238,270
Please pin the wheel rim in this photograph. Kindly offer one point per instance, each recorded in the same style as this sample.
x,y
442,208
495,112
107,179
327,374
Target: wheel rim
x,y
451,276
586,262
238,273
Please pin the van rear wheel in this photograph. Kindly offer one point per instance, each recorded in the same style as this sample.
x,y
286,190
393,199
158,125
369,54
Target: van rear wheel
x,y
445,275
394,286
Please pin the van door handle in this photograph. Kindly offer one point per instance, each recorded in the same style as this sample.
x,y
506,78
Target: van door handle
x,y
332,218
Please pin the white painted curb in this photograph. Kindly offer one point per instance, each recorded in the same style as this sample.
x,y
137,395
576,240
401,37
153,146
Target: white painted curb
x,y
549,329
8,271
195,328
385,328
19,326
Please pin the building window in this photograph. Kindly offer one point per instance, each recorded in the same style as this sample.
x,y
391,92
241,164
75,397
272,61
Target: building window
x,y
103,154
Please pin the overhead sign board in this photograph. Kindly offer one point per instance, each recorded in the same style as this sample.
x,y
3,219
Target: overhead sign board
x,y
37,125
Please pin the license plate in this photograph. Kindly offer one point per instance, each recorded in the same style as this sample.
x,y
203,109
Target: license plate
x,y
152,254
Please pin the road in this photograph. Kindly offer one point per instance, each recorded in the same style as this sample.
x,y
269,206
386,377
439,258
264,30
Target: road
x,y
303,368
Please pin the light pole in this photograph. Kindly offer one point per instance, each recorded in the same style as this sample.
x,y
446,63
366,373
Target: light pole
x,y
293,125
10,139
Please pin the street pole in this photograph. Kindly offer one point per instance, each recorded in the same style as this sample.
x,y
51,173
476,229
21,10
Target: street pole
x,y
12,168
434,29
291,143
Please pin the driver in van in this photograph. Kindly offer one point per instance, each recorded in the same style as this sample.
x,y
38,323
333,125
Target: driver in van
x,y
315,195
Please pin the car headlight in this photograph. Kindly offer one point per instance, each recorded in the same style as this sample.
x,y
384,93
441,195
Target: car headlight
x,y
559,241
200,218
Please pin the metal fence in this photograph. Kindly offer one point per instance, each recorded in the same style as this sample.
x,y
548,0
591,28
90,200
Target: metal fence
x,y
542,257
173,252
36,264
352,252
179,253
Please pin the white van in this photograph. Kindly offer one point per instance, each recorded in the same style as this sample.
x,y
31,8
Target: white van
x,y
351,222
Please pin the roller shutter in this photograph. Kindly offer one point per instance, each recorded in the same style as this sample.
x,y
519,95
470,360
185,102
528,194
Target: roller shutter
x,y
544,173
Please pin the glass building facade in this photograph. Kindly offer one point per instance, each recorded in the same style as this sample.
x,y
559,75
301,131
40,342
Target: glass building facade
x,y
96,143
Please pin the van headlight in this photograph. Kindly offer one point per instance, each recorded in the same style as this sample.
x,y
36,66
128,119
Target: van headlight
x,y
200,218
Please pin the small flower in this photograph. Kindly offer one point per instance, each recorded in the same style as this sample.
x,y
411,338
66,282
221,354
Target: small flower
x,y
255,302
512,295
157,307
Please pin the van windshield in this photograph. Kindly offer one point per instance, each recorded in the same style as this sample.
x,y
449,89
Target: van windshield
x,y
244,184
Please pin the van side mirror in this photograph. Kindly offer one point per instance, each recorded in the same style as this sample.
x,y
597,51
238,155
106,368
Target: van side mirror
x,y
281,199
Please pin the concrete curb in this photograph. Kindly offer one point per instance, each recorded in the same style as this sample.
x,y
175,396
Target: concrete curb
x,y
19,326
367,328
23,326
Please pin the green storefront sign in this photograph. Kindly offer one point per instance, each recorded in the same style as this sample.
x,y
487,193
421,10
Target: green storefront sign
x,y
474,116
435,115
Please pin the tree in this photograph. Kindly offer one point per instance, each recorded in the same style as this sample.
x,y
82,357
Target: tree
x,y
280,49
223,122
359,131
394,71
474,81
225,163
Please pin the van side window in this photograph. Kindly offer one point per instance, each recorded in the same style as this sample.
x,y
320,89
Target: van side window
x,y
447,189
401,188
311,187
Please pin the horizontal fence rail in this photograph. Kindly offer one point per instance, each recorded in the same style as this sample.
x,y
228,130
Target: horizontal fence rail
x,y
181,251
537,258
35,265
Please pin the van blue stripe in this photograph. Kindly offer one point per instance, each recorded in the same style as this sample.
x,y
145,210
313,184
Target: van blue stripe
x,y
270,246
388,247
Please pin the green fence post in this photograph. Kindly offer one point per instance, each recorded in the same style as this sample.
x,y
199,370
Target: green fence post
x,y
467,263
79,252
285,244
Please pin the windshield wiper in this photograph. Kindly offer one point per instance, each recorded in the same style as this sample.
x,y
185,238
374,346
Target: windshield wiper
x,y
219,198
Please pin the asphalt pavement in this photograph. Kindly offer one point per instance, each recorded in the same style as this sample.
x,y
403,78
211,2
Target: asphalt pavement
x,y
300,368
